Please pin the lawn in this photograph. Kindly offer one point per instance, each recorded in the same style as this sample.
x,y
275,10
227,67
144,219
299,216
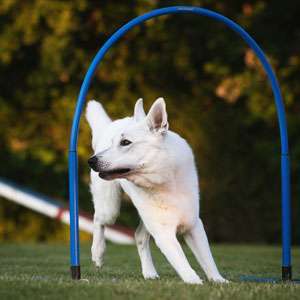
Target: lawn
x,y
41,271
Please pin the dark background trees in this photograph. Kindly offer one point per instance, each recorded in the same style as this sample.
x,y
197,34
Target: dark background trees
x,y
217,95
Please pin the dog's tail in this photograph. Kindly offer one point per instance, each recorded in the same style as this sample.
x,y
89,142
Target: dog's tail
x,y
97,119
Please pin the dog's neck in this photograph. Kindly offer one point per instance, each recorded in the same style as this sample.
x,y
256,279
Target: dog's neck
x,y
172,182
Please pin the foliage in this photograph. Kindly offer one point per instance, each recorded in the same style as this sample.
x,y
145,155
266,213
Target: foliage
x,y
216,91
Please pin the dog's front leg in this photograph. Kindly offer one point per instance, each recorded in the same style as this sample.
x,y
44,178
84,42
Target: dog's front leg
x,y
142,238
170,247
197,240
106,198
98,246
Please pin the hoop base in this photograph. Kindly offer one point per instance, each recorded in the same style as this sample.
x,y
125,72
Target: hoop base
x,y
75,272
287,273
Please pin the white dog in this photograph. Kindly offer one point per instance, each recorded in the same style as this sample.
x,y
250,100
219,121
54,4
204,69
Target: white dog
x,y
156,169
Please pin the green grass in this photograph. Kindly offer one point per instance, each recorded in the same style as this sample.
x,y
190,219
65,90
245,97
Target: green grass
x,y
29,271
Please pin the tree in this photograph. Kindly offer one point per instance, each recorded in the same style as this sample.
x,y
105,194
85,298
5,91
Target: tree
x,y
216,92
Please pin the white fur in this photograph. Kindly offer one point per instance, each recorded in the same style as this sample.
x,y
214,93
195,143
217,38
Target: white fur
x,y
161,180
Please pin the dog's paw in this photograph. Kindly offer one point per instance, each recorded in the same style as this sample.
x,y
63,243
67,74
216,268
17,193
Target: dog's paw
x,y
150,275
97,257
195,279
219,279
98,262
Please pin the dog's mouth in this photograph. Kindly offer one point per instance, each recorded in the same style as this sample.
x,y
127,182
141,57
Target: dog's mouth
x,y
114,173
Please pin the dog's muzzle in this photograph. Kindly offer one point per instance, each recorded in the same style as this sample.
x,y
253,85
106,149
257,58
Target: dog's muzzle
x,y
105,173
114,173
93,163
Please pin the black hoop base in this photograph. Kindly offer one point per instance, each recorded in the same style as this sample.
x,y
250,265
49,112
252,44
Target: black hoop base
x,y
75,272
287,273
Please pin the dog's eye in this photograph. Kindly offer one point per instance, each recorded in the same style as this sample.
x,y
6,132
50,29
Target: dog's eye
x,y
125,142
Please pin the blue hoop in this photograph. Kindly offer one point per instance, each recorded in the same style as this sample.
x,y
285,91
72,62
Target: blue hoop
x,y
285,167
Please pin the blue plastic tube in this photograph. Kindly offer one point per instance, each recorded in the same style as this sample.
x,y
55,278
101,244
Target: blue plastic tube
x,y
285,168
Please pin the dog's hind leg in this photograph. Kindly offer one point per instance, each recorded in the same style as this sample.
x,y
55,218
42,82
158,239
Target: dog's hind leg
x,y
106,198
197,240
170,247
142,238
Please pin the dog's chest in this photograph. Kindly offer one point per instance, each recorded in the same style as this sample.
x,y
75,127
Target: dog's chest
x,y
175,210
170,209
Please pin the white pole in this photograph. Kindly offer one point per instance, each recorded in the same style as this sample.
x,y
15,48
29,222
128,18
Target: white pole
x,y
54,210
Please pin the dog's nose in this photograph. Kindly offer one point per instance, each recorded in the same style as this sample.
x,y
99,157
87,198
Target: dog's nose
x,y
92,161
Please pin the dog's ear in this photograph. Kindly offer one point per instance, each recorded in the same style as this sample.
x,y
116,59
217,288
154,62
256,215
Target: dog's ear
x,y
157,118
139,113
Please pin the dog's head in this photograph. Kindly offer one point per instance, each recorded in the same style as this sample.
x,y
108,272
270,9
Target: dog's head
x,y
136,151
